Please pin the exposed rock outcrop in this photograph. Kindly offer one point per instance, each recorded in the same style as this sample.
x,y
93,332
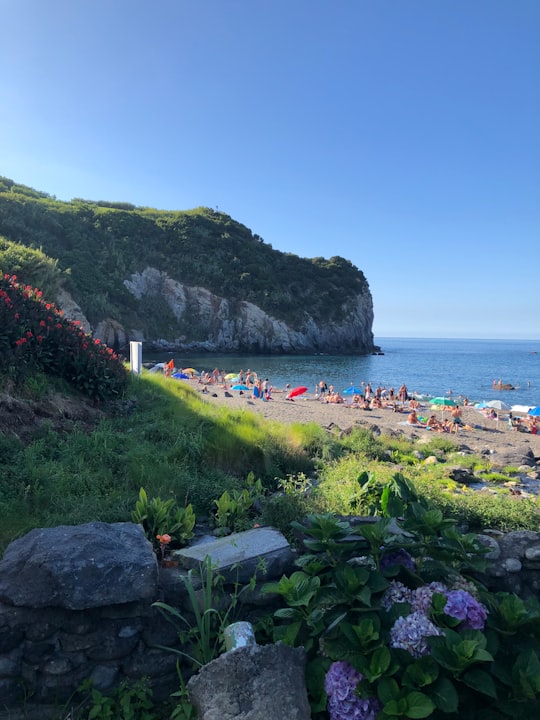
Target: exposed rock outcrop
x,y
243,327
71,310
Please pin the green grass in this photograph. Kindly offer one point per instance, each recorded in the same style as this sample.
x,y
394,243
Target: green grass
x,y
174,444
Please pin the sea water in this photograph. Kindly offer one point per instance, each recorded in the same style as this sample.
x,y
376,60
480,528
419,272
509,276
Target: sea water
x,y
434,367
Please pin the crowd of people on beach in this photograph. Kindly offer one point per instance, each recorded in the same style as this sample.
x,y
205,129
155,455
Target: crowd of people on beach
x,y
365,397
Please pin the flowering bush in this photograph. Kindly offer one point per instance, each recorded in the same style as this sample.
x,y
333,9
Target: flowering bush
x,y
397,625
343,703
35,335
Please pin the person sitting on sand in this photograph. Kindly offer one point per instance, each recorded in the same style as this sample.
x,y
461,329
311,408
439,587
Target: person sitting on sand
x,y
516,424
434,424
413,419
335,398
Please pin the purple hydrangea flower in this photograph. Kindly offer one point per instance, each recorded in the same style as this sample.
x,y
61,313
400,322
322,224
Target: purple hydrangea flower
x,y
343,703
396,592
421,597
463,606
410,633
397,557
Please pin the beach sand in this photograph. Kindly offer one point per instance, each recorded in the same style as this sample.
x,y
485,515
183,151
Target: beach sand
x,y
486,436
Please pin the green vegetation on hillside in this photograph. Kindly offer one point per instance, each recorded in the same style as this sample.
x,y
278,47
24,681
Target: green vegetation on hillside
x,y
99,245
164,437
402,612
160,434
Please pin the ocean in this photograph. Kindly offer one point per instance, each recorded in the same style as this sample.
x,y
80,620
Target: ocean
x,y
434,367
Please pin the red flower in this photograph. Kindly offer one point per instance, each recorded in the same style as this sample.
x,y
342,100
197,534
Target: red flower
x,y
59,326
42,323
28,334
20,341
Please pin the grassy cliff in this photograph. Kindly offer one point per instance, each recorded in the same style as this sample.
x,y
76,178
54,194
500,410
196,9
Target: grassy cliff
x,y
93,247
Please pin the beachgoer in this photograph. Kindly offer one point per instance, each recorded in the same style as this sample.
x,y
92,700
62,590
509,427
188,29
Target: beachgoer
x,y
403,394
516,424
168,368
413,418
456,420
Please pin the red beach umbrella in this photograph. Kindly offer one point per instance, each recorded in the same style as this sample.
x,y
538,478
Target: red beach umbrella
x,y
296,391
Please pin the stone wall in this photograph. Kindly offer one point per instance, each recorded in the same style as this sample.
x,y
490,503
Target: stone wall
x,y
514,562
76,603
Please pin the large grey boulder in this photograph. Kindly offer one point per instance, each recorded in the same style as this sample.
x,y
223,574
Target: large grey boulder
x,y
78,567
252,683
515,457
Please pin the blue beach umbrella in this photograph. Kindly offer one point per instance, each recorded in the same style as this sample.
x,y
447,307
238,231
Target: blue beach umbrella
x,y
353,390
481,405
534,410
180,376
239,387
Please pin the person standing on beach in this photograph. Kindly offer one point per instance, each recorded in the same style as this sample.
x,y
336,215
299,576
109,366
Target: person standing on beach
x,y
403,394
456,418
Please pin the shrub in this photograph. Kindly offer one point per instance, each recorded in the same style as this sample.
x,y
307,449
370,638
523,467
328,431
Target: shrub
x,y
35,336
396,627
163,518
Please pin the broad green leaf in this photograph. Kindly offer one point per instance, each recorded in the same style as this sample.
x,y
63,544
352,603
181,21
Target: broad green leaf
x,y
422,672
388,691
419,705
481,681
526,674
445,695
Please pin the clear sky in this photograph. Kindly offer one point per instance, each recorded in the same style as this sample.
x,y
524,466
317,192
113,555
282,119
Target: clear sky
x,y
403,135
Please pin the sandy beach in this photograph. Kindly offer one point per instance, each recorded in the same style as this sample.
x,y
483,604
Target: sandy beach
x,y
483,436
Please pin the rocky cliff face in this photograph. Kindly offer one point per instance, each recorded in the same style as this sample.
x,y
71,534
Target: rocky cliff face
x,y
235,327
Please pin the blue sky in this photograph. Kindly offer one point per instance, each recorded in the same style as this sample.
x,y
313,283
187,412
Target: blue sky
x,y
402,135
